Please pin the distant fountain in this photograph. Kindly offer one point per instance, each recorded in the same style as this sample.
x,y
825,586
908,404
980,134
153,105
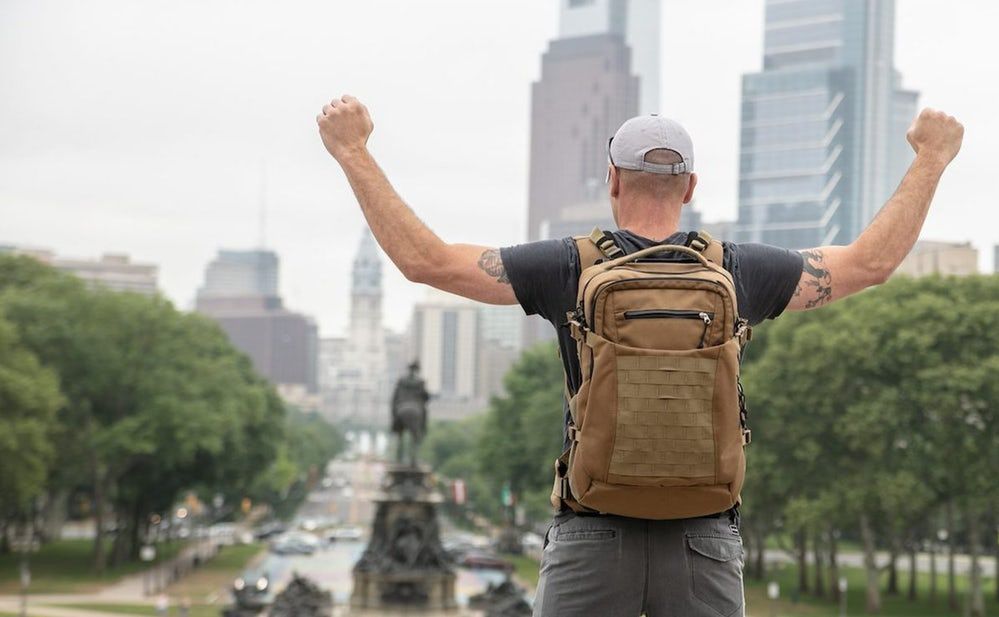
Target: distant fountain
x,y
404,565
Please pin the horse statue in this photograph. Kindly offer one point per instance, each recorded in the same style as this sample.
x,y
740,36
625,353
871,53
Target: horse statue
x,y
409,413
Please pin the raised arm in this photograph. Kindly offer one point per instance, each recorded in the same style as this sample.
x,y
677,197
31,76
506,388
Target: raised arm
x,y
475,272
833,272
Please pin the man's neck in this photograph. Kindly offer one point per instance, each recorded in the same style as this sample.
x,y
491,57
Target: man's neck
x,y
655,221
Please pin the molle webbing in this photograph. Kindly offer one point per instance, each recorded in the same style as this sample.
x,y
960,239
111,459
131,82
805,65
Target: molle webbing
x,y
664,421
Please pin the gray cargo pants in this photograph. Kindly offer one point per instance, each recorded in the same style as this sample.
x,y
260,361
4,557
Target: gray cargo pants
x,y
608,566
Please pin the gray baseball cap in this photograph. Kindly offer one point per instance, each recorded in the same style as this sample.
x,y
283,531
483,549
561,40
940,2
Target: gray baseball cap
x,y
642,134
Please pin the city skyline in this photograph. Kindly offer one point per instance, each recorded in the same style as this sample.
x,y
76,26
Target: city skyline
x,y
86,185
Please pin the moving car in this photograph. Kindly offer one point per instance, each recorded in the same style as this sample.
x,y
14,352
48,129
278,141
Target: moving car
x,y
252,588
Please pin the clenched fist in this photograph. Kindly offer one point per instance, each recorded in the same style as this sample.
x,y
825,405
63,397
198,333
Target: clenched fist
x,y
935,134
344,126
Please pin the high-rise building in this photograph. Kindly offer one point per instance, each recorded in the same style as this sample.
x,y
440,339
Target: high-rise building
x,y
445,340
240,293
113,271
357,370
823,124
636,21
602,70
241,273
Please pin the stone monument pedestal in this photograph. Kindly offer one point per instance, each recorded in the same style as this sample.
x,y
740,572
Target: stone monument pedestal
x,y
405,569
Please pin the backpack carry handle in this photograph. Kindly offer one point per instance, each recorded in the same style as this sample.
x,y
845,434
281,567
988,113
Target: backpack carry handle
x,y
654,250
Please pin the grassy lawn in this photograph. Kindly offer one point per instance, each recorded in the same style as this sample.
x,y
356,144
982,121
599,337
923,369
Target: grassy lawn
x,y
65,566
525,569
215,574
197,610
899,606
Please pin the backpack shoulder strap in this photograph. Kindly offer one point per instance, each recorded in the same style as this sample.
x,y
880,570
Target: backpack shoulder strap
x,y
597,246
712,249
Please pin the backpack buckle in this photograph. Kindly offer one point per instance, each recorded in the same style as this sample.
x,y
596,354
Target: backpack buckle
x,y
698,244
747,437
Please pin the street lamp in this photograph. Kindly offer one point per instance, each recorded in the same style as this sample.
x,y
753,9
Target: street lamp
x,y
842,596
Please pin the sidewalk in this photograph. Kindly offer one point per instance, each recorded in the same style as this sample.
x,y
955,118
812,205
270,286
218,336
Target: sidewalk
x,y
35,608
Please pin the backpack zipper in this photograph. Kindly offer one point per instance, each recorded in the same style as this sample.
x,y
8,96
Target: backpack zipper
x,y
704,316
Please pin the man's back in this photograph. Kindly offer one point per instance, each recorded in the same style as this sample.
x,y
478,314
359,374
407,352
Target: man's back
x,y
545,274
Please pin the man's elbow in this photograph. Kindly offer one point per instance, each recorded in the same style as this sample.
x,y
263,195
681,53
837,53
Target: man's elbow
x,y
874,273
423,268
869,270
416,272
879,275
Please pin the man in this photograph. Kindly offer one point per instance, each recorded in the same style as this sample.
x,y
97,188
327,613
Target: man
x,y
607,565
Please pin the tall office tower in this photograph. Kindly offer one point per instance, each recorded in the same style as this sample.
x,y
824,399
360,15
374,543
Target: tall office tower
x,y
637,21
823,125
240,293
602,70
356,377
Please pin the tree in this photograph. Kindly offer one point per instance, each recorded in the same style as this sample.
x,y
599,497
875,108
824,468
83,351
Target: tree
x,y
864,403
522,432
155,401
29,400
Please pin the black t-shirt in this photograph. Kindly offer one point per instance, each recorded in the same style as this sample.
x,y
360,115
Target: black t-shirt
x,y
545,277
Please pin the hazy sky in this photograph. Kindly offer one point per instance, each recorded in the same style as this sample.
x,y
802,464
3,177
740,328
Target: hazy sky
x,y
142,127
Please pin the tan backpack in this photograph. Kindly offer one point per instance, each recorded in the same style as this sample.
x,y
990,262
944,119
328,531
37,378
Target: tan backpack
x,y
658,424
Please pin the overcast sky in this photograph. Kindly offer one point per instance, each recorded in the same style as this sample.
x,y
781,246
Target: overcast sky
x,y
142,127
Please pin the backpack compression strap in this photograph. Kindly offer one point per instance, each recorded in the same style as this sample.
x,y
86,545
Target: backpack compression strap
x,y
702,242
604,242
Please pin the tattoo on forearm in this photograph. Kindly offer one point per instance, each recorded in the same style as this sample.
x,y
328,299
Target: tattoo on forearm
x,y
818,280
491,263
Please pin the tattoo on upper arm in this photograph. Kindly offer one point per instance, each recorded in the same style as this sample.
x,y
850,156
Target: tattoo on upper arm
x,y
492,264
817,278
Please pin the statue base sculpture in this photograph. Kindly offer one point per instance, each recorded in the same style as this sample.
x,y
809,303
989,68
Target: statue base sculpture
x,y
404,567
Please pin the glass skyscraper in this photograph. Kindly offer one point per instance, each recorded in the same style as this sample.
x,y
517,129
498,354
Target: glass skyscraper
x,y
823,124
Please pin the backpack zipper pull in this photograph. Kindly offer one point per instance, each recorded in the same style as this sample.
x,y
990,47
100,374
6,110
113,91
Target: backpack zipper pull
x,y
705,318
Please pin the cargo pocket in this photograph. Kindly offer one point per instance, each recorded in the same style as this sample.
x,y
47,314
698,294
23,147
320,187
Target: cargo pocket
x,y
716,572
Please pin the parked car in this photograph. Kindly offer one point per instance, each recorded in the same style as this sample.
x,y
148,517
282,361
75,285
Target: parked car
x,y
224,534
270,529
345,533
479,560
295,543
